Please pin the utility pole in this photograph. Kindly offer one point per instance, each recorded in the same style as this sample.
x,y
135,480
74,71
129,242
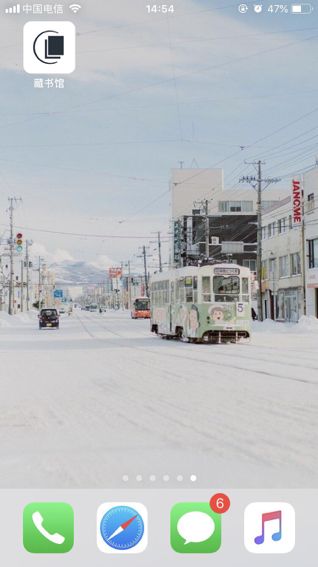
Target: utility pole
x,y
257,184
207,230
11,246
159,252
144,256
117,294
259,240
39,284
145,268
27,265
129,285
121,301
158,248
22,287
12,201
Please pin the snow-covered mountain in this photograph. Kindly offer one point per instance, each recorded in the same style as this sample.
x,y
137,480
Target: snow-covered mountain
x,y
77,272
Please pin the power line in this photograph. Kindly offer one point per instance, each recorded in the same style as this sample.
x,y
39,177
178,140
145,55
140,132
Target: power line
x,y
192,73
144,207
83,234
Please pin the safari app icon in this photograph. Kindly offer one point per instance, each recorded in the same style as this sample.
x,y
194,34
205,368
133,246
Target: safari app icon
x,y
122,527
195,528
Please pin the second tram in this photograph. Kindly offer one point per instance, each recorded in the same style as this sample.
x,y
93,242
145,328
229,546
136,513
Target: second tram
x,y
141,308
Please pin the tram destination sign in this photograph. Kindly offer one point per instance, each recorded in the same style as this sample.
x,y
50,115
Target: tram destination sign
x,y
227,271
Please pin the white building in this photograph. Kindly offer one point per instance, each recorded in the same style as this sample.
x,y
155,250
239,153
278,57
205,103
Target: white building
x,y
282,263
310,186
189,187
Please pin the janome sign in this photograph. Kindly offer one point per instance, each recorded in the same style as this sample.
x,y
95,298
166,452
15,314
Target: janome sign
x,y
297,204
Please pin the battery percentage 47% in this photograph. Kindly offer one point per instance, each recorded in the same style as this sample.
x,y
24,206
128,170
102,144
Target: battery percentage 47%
x,y
278,9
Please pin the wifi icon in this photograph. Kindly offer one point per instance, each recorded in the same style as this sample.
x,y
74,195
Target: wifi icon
x,y
75,8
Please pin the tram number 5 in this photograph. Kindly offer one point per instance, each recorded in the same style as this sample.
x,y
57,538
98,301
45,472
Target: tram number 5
x,y
240,308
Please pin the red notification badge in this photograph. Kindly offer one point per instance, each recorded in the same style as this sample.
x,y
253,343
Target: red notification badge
x,y
220,503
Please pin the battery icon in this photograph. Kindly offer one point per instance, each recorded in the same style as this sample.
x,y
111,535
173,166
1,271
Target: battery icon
x,y
301,8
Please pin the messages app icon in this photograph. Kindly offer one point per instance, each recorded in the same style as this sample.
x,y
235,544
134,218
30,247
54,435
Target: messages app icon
x,y
195,528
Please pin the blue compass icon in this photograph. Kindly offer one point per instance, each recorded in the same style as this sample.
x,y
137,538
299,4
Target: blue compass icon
x,y
122,527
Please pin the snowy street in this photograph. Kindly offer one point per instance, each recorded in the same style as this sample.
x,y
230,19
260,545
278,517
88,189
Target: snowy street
x,y
102,397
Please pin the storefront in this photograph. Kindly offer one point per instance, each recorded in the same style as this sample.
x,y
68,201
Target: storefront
x,y
312,292
289,304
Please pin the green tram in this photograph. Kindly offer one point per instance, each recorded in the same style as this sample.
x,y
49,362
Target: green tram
x,y
207,304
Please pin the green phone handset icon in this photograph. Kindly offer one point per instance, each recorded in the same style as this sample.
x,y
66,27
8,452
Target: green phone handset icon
x,y
56,538
48,527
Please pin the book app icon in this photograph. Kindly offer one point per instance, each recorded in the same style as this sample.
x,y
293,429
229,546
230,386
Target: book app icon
x,y
49,47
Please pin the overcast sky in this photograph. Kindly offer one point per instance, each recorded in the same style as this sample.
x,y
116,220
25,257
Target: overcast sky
x,y
150,91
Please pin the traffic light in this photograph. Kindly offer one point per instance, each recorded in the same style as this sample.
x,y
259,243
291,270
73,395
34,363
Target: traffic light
x,y
19,242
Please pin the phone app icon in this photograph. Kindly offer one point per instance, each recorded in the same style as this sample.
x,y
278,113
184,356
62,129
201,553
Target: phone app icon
x,y
269,527
48,527
49,48
122,528
195,528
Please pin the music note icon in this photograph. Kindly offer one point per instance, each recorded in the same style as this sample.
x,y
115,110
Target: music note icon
x,y
269,527
269,517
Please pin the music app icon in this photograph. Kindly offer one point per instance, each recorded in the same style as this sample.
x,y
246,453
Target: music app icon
x,y
269,527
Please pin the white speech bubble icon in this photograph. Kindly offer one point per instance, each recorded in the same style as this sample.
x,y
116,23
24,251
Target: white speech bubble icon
x,y
195,527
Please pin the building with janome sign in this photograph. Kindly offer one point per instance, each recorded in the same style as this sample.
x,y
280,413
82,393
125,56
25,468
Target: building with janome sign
x,y
311,237
282,259
290,253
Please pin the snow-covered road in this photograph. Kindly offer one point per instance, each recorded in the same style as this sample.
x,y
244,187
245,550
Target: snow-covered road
x,y
102,397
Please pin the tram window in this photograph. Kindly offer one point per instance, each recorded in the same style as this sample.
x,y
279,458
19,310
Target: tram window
x,y
189,289
195,289
180,291
245,294
189,295
226,288
206,289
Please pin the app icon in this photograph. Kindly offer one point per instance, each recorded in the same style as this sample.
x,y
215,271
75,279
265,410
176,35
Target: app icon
x,y
269,527
122,528
49,48
48,527
195,528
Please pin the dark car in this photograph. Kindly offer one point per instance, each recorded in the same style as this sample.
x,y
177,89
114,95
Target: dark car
x,y
49,318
